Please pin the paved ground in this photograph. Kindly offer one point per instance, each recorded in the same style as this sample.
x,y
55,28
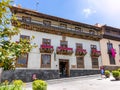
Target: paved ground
x,y
93,82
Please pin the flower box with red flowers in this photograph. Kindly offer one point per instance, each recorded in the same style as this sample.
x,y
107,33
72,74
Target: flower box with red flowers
x,y
46,48
80,52
95,53
64,50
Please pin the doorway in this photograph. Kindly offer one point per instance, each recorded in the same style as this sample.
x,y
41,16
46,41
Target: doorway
x,y
64,68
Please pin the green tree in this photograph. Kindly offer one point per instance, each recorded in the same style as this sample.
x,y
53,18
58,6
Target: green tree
x,y
10,51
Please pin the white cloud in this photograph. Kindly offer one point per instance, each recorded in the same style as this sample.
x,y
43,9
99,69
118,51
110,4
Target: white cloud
x,y
110,8
87,12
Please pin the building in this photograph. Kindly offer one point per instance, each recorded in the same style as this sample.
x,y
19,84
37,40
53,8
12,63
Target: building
x,y
110,47
66,48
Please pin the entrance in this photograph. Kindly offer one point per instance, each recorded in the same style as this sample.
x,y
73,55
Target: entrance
x,y
64,68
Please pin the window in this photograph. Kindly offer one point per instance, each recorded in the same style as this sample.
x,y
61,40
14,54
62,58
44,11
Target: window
x,y
95,63
107,31
45,61
63,44
46,41
26,19
93,47
91,32
24,37
79,45
80,62
22,60
78,29
111,58
62,25
47,23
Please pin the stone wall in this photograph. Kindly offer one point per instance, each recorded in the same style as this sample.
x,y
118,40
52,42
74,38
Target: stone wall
x,y
111,67
26,75
74,73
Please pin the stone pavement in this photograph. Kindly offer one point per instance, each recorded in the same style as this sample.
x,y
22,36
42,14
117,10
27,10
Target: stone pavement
x,y
91,82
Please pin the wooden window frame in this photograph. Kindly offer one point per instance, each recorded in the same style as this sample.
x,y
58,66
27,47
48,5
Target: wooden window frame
x,y
80,62
95,66
24,37
45,66
63,25
47,22
78,29
111,59
79,45
22,65
93,47
26,19
63,41
92,32
48,43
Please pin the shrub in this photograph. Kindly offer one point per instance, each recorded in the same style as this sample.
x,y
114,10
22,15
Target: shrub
x,y
107,73
16,85
119,69
39,85
116,74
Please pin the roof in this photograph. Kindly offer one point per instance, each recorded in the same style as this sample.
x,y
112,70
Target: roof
x,y
38,14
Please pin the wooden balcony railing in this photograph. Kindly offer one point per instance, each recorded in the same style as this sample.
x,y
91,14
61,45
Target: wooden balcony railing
x,y
46,49
64,50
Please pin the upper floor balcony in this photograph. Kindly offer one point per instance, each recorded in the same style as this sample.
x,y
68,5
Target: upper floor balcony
x,y
54,29
80,52
46,48
64,50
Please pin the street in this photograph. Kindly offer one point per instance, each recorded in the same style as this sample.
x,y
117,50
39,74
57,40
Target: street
x,y
93,82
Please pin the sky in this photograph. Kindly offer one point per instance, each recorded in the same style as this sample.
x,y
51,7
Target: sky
x,y
85,11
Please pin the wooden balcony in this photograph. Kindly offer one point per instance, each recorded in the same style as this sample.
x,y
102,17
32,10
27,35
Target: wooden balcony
x,y
95,53
39,26
64,50
80,52
46,49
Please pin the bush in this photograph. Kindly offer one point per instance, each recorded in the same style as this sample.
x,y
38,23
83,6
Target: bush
x,y
39,85
119,69
16,85
116,74
107,73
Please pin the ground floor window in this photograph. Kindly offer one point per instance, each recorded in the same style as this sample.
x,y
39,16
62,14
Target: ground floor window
x,y
45,61
22,60
80,62
95,63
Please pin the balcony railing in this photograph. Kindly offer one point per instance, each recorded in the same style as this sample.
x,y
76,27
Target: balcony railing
x,y
39,26
80,52
46,49
95,53
64,50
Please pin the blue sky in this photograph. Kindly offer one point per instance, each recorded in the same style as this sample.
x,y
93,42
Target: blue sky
x,y
85,11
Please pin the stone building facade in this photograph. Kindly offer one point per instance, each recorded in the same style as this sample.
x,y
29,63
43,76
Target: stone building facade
x,y
66,48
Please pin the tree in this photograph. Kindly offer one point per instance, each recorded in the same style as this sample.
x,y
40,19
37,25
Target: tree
x,y
10,51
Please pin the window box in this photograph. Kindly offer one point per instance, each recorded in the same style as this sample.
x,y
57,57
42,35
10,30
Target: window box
x,y
80,52
46,48
64,50
95,53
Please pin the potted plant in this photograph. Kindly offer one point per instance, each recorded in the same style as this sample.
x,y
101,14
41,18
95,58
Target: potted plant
x,y
107,73
39,85
116,74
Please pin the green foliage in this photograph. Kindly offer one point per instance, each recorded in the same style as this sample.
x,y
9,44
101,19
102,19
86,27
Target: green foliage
x,y
39,85
119,69
10,51
116,74
16,85
107,73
